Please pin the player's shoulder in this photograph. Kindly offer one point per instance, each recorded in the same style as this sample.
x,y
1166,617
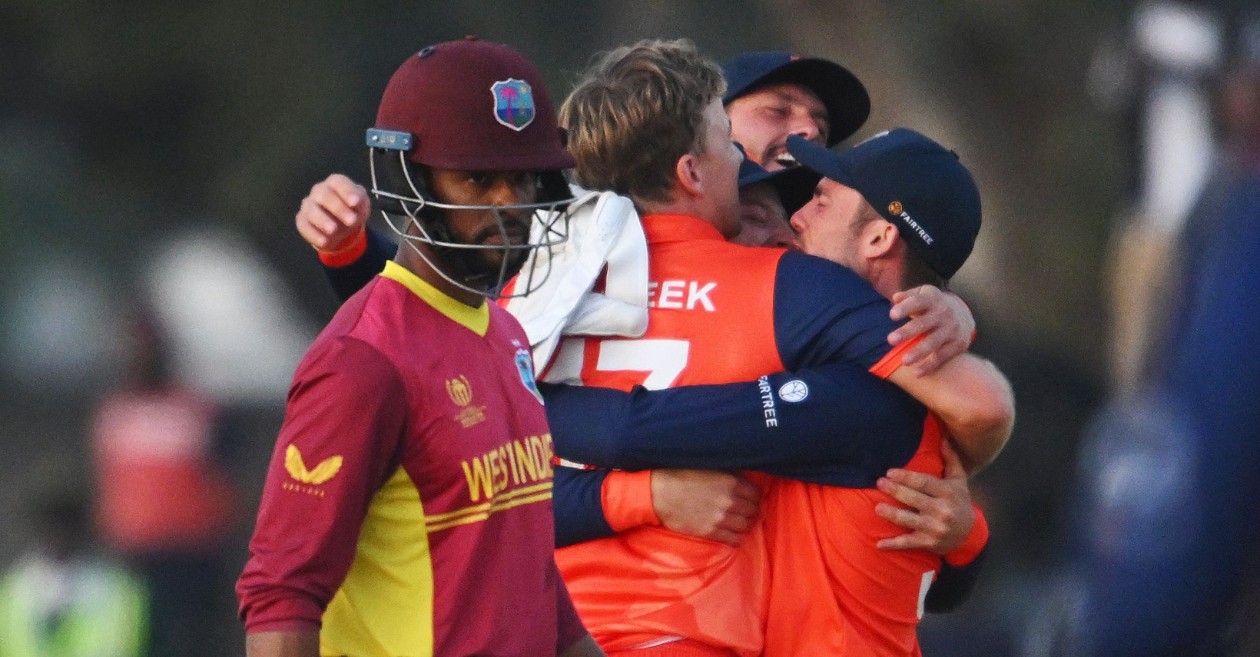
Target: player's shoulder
x,y
822,278
337,351
356,337
749,263
346,366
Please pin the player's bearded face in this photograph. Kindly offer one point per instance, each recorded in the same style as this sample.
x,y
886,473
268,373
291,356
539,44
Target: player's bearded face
x,y
761,121
495,229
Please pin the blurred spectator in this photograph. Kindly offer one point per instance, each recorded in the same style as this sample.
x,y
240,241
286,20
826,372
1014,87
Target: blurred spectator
x,y
1164,561
62,599
164,500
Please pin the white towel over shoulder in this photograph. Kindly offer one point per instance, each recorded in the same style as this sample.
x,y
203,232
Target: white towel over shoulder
x,y
604,229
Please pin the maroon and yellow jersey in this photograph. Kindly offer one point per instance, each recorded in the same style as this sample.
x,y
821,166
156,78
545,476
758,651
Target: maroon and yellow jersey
x,y
407,503
718,313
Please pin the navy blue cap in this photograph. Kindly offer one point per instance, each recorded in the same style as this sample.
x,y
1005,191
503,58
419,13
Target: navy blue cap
x,y
840,91
795,186
915,183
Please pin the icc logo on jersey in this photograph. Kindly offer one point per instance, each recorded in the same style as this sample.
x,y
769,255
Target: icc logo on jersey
x,y
459,390
793,391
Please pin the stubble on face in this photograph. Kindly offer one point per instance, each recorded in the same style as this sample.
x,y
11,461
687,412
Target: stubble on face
x,y
830,225
762,120
486,227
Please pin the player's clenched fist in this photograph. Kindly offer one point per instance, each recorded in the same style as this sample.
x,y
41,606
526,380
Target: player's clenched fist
x,y
718,506
333,214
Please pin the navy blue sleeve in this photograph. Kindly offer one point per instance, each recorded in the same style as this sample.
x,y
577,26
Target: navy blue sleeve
x,y
349,279
836,425
576,500
824,313
954,585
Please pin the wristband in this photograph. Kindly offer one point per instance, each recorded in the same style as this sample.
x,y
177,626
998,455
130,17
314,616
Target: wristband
x,y
973,544
347,254
892,360
627,500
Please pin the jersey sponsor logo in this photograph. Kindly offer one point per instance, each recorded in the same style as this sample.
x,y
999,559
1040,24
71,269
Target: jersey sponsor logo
x,y
522,462
460,392
794,391
525,367
307,480
681,295
768,411
513,103
895,208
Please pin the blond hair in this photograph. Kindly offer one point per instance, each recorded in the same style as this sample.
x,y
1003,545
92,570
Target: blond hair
x,y
635,111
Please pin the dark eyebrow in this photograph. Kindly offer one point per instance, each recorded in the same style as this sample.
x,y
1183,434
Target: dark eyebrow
x,y
819,115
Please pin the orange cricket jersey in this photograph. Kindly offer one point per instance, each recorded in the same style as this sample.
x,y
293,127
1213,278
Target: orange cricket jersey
x,y
832,591
711,320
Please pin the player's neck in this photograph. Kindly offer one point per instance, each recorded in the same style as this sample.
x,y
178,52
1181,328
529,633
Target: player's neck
x,y
691,207
411,261
885,276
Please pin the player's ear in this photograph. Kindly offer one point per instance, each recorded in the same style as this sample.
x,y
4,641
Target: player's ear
x,y
878,238
687,175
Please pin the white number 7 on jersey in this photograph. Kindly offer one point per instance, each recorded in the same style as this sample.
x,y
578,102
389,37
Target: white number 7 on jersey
x,y
663,360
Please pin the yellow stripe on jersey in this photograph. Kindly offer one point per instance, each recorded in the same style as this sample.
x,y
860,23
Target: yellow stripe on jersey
x,y
385,605
465,520
479,512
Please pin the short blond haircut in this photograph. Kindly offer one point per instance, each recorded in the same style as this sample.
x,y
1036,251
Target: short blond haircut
x,y
635,111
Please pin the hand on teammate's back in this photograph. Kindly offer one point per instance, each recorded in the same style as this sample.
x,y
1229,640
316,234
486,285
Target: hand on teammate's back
x,y
708,504
940,514
943,318
333,214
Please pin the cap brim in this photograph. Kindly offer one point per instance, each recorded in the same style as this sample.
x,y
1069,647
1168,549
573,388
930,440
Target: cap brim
x,y
848,105
823,161
795,186
751,173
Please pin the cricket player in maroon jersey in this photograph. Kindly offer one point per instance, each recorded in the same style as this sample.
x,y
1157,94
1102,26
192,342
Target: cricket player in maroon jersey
x,y
407,505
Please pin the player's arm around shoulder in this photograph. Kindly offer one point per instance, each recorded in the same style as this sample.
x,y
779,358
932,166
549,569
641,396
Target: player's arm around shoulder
x,y
972,398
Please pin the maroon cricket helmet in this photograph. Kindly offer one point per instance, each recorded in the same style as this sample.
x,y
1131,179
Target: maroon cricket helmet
x,y
474,105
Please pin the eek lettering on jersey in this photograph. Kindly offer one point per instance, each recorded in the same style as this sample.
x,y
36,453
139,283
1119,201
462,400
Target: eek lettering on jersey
x,y
767,402
680,295
520,462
